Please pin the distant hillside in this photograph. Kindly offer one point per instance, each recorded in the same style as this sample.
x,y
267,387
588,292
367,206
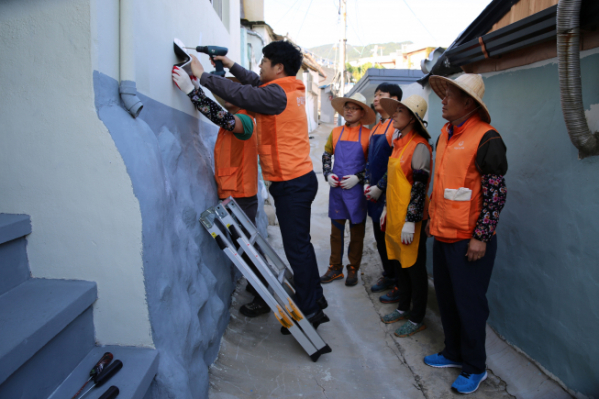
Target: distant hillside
x,y
355,52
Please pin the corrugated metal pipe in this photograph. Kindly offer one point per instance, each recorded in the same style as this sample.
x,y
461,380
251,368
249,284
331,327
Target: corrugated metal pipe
x,y
127,87
570,82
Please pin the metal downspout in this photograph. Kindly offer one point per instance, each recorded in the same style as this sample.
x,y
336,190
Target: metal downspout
x,y
127,87
570,82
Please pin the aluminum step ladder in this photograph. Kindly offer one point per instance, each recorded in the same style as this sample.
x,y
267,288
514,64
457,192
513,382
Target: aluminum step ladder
x,y
236,235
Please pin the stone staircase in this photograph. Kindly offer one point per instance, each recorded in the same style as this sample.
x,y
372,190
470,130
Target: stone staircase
x,y
47,345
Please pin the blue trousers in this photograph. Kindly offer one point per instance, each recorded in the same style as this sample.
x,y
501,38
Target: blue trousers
x,y
461,289
293,206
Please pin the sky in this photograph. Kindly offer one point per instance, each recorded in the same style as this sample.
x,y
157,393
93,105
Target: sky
x,y
434,23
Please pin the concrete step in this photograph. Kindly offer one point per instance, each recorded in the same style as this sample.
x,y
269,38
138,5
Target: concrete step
x,y
14,267
35,313
133,380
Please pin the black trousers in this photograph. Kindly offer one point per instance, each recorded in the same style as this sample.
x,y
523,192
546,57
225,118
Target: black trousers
x,y
379,237
293,206
249,205
461,288
413,283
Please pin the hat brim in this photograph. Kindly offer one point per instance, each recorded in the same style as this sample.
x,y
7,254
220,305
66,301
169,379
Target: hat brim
x,y
369,114
390,106
439,86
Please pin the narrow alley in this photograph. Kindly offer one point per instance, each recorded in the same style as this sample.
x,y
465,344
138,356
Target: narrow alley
x,y
368,361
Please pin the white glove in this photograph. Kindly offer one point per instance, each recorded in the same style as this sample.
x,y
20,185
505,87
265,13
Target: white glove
x,y
182,80
373,193
195,81
407,233
333,180
383,220
349,181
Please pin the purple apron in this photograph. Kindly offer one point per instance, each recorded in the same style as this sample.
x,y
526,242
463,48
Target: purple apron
x,y
349,160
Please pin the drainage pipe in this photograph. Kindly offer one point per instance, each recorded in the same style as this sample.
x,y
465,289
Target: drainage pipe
x,y
127,87
570,82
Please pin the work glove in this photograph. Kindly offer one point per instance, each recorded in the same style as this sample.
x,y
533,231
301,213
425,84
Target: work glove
x,y
373,193
333,180
195,81
349,181
182,80
383,220
407,233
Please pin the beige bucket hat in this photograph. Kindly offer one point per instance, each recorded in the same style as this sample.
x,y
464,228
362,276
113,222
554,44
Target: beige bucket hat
x,y
358,99
416,104
471,83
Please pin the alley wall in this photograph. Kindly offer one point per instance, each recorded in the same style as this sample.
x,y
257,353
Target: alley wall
x,y
545,285
113,199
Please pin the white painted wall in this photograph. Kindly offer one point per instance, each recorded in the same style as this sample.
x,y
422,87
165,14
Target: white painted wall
x,y
58,162
193,22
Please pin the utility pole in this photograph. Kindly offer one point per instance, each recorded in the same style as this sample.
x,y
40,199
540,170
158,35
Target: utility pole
x,y
342,46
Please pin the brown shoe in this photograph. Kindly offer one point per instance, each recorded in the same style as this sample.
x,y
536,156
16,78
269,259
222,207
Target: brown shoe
x,y
352,276
334,273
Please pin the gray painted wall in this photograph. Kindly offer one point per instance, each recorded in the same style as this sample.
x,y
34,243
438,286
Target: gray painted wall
x,y
189,281
544,293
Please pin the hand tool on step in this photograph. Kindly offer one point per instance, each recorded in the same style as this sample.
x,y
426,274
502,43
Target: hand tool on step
x,y
105,375
212,51
96,370
110,393
236,235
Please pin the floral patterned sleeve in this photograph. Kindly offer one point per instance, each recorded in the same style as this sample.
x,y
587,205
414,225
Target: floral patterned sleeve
x,y
494,195
417,196
382,184
327,164
212,110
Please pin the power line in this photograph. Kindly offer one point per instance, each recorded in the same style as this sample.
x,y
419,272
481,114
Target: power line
x,y
302,25
415,16
287,12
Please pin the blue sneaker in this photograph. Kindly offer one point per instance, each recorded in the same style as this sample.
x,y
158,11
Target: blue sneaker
x,y
439,361
468,383
391,296
383,284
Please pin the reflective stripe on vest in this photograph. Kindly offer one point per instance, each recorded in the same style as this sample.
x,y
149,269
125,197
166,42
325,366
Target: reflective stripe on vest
x,y
283,143
455,167
236,164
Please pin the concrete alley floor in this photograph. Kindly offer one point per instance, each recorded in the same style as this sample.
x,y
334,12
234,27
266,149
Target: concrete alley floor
x,y
368,361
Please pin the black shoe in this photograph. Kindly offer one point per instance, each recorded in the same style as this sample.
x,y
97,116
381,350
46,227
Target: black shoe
x,y
254,308
352,276
319,318
322,302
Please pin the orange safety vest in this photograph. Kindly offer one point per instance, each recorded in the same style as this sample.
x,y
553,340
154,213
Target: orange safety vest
x,y
351,134
236,164
406,159
455,167
384,128
283,143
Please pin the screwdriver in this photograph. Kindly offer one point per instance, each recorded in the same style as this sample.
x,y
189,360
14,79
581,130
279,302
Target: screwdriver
x,y
107,374
96,370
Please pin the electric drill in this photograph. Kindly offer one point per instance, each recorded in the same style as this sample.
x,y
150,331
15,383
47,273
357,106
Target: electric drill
x,y
212,51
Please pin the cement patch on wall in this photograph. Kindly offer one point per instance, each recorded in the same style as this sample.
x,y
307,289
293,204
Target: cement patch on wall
x,y
168,155
545,286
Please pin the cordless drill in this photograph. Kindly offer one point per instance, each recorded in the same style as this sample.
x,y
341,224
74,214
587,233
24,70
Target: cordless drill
x,y
212,51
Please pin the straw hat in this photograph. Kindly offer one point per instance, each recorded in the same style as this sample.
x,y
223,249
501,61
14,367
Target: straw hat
x,y
416,104
471,83
358,99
